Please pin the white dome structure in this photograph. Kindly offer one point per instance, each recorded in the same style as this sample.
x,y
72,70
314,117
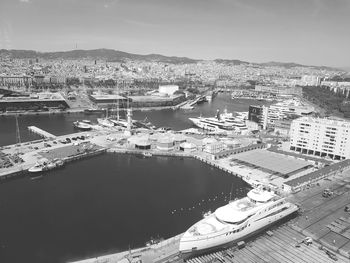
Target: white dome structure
x,y
165,143
187,147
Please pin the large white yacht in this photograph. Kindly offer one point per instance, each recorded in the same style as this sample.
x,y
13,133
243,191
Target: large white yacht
x,y
238,121
236,221
224,121
212,123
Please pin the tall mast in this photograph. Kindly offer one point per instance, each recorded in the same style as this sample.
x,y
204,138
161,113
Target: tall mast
x,y
117,101
18,135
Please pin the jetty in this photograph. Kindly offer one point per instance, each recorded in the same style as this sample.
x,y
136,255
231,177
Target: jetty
x,y
41,132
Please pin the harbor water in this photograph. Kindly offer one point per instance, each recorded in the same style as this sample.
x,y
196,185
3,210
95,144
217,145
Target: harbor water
x,y
108,203
59,124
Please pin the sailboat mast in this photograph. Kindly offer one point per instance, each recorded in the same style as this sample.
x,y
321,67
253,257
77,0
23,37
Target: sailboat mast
x,y
18,135
117,101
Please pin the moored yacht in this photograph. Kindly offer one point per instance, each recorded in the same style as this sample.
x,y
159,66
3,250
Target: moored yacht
x,y
236,221
238,121
212,123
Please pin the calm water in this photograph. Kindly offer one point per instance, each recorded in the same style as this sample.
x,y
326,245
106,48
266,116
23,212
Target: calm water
x,y
104,204
107,203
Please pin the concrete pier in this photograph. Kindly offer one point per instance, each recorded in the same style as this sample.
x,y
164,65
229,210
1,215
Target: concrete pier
x,y
41,132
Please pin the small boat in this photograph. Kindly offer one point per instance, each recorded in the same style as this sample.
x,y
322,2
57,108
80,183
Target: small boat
x,y
81,125
154,241
86,121
90,111
147,154
45,166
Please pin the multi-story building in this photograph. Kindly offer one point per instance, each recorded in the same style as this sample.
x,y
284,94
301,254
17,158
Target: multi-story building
x,y
258,114
321,137
310,80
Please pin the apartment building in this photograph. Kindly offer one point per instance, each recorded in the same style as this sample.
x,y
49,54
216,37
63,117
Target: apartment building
x,y
321,137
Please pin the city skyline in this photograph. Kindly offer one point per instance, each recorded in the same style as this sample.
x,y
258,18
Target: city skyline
x,y
308,32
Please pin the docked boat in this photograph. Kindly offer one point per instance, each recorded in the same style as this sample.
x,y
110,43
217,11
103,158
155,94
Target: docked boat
x,y
236,221
81,125
147,154
119,122
212,123
105,121
94,110
45,166
238,121
144,124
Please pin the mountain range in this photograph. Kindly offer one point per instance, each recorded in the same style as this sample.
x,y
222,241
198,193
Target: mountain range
x,y
111,55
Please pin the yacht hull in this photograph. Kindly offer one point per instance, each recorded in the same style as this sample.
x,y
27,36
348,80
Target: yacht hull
x,y
190,249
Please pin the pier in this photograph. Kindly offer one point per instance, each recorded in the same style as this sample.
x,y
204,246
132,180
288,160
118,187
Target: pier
x,y
41,132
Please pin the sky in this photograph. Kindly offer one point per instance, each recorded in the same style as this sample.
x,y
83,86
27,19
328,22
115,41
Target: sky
x,y
312,32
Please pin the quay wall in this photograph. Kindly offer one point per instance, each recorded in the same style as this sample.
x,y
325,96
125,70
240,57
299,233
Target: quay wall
x,y
21,170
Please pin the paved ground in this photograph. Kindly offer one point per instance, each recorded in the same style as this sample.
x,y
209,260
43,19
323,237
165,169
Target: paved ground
x,y
324,219
284,246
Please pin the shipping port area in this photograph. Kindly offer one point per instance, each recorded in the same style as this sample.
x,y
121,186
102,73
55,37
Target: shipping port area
x,y
269,147
301,178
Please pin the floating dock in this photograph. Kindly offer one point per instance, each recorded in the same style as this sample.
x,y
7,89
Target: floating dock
x,y
41,132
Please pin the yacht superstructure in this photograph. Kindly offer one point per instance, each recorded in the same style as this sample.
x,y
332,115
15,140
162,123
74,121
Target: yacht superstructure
x,y
224,121
236,221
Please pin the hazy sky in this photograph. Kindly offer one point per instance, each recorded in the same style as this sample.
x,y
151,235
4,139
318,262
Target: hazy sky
x,y
304,31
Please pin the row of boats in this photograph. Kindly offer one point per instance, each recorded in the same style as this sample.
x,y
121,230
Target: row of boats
x,y
86,125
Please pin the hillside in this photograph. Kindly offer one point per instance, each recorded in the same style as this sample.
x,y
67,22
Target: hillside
x,y
112,55
105,54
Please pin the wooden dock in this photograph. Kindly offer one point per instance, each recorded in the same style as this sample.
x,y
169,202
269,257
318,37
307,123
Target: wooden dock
x,y
41,132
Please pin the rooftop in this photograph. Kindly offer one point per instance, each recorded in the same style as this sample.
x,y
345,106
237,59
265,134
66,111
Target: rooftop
x,y
274,162
107,97
324,121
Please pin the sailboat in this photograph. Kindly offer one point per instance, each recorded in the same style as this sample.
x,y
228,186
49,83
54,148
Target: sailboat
x,y
118,121
105,121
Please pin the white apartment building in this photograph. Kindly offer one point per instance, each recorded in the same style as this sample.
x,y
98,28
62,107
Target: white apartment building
x,y
321,137
310,80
